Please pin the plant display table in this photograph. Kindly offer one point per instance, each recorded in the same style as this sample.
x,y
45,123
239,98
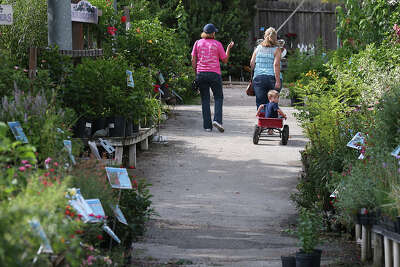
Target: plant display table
x,y
385,245
130,142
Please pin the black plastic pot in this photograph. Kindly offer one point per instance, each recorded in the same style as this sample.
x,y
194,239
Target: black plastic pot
x,y
99,124
317,258
83,128
117,126
304,259
288,261
129,128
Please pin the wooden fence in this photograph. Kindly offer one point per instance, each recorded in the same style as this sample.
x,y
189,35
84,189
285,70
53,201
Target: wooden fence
x,y
312,21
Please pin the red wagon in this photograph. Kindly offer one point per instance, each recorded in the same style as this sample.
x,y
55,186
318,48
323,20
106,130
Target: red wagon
x,y
276,125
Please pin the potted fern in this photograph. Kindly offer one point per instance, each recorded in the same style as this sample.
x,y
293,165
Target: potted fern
x,y
308,231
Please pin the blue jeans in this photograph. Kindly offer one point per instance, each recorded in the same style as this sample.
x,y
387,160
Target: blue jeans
x,y
262,84
207,80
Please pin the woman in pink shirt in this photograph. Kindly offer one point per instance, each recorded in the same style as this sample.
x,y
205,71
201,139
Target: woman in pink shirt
x,y
206,54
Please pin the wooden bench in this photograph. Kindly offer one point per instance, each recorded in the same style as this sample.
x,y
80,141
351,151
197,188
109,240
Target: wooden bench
x,y
130,142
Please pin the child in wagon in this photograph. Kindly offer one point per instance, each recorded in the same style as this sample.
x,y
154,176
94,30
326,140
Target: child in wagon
x,y
272,109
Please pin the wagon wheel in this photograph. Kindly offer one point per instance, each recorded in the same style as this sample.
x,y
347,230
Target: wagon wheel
x,y
285,135
256,135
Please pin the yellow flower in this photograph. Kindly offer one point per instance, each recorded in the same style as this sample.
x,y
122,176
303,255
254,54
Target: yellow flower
x,y
62,240
150,41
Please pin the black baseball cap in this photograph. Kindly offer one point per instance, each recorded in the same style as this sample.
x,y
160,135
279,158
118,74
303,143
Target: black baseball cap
x,y
210,28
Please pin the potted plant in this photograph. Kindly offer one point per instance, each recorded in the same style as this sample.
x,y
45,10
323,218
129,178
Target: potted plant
x,y
308,231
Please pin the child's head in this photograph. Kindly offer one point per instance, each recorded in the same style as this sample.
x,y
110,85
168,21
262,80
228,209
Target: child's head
x,y
273,96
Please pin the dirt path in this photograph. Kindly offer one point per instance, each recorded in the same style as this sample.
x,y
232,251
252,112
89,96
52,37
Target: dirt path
x,y
222,201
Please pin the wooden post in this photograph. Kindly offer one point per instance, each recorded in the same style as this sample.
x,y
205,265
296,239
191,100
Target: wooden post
x,y
132,155
119,151
396,256
388,252
32,62
364,244
378,250
77,36
144,145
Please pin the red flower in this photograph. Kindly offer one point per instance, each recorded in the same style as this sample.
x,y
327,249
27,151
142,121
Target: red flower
x,y
135,184
52,170
123,19
72,236
166,85
132,167
100,237
79,216
156,88
111,30
67,212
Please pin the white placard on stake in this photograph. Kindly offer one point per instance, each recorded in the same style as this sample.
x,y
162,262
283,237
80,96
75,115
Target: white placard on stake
x,y
17,131
6,15
111,233
129,79
396,152
68,146
96,206
107,146
357,141
38,229
118,213
94,149
118,178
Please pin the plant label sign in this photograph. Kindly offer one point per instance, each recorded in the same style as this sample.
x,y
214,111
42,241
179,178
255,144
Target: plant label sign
x,y
129,79
357,141
396,152
118,178
118,213
111,233
17,131
84,12
107,146
94,149
6,15
161,78
81,206
97,208
68,147
38,229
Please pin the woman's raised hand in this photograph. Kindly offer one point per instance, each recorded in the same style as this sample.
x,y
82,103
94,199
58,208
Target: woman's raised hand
x,y
231,44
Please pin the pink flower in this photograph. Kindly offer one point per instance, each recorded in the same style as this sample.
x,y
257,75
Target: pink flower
x,y
24,162
47,161
22,168
90,259
111,30
47,174
28,166
56,164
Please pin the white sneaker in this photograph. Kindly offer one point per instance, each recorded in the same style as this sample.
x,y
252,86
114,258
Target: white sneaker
x,y
208,130
218,126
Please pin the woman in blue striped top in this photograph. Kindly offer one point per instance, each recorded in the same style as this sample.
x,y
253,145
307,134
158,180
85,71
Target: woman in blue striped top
x,y
266,62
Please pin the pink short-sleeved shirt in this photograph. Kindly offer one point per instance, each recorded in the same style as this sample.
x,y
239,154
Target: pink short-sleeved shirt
x,y
208,53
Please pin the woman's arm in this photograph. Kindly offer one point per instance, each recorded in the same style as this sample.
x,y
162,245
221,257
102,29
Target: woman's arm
x,y
277,68
228,52
194,63
253,60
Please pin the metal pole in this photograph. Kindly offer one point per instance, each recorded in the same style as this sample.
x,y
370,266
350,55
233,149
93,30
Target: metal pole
x,y
60,25
291,15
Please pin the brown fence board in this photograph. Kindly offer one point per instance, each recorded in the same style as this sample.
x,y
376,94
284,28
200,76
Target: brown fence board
x,y
312,21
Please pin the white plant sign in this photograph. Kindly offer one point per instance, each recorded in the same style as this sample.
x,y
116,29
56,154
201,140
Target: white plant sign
x,y
6,15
